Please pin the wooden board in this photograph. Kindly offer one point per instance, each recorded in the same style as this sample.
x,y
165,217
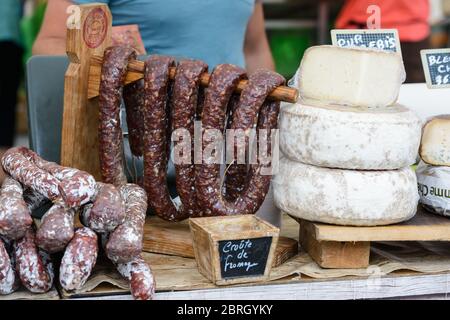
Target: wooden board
x,y
174,238
333,246
423,227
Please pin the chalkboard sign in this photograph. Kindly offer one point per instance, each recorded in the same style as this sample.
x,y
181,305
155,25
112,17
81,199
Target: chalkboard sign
x,y
436,66
381,39
244,257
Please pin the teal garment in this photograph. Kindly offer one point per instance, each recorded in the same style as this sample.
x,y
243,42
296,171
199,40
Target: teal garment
x,y
10,15
209,30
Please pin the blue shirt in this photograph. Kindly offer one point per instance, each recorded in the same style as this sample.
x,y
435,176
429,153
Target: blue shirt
x,y
10,15
209,30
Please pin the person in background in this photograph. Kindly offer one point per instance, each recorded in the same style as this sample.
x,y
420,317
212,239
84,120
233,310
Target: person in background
x,y
409,17
215,31
10,77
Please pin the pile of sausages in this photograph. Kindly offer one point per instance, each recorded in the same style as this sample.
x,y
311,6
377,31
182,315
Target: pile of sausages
x,y
157,106
112,216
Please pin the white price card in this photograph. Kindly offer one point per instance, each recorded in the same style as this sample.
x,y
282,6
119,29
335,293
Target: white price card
x,y
381,39
436,66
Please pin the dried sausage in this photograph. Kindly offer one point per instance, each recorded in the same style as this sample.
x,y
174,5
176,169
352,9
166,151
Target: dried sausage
x,y
56,229
184,105
252,105
114,68
15,216
34,199
79,259
142,281
132,96
125,243
34,266
156,83
106,212
76,187
19,167
8,277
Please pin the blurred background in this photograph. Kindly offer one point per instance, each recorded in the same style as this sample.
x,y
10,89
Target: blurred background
x,y
291,25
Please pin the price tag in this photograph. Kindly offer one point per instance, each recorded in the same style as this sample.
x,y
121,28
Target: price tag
x,y
244,257
381,39
436,66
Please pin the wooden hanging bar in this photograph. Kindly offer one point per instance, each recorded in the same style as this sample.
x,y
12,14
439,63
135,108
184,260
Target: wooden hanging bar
x,y
136,70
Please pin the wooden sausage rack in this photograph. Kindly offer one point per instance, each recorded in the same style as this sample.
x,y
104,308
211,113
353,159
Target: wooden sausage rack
x,y
88,35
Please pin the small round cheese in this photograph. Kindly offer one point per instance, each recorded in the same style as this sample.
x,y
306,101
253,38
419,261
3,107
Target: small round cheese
x,y
350,138
435,145
345,197
434,188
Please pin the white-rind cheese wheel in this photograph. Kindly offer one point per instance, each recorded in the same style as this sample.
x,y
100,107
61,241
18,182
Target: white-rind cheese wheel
x,y
350,76
345,197
350,138
435,145
434,188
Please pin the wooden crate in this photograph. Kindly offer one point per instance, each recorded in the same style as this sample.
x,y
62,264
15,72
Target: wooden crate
x,y
333,246
234,249
175,238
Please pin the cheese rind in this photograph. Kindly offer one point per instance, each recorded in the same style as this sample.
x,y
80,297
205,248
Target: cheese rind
x,y
350,76
345,197
434,188
435,145
350,138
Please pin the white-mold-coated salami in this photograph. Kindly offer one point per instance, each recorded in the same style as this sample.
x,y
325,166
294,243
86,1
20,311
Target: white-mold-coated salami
x,y
15,216
56,229
125,243
33,266
79,259
106,212
142,281
8,279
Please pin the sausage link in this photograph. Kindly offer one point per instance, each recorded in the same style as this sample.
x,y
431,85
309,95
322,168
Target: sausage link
x,y
76,187
106,212
156,83
132,96
114,68
125,243
15,218
56,229
223,81
8,277
19,167
140,275
236,173
33,266
184,105
251,102
79,259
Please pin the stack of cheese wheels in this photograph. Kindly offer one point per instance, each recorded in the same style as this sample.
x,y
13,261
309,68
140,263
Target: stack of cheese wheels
x,y
347,146
433,173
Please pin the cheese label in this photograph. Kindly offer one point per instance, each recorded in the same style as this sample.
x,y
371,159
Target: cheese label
x,y
435,193
381,39
436,66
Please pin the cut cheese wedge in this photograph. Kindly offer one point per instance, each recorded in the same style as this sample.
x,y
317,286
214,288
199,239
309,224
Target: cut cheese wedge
x,y
345,197
350,138
350,76
435,145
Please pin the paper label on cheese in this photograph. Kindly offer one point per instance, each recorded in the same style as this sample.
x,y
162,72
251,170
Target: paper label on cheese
x,y
434,188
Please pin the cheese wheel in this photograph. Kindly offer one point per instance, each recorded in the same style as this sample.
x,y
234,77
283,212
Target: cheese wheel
x,y
435,145
350,76
345,197
434,188
350,138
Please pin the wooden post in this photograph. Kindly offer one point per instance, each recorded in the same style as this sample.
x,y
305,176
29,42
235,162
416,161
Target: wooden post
x,y
88,35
